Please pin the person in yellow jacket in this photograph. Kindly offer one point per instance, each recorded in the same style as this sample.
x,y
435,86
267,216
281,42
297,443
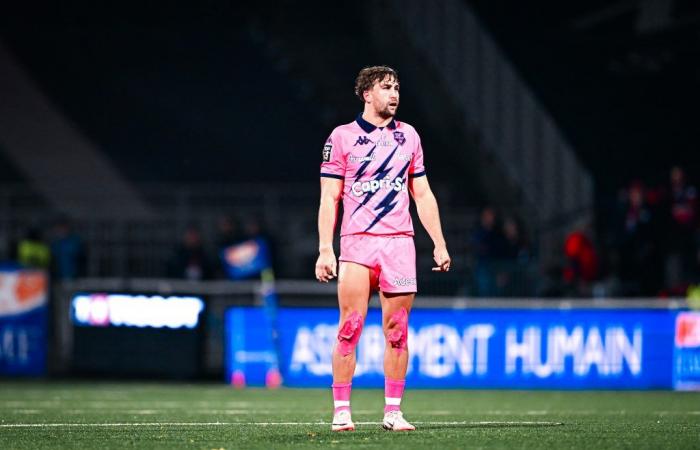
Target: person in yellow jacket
x,y
33,252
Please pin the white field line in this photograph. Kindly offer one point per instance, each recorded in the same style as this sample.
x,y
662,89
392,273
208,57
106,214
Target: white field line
x,y
264,424
153,409
226,412
59,403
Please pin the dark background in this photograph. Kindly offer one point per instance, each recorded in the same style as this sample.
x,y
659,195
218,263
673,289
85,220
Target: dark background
x,y
195,92
232,92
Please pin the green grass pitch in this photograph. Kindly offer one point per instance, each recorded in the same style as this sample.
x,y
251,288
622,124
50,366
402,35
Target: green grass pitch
x,y
35,415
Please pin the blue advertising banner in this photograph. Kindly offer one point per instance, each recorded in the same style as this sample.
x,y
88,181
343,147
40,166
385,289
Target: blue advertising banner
x,y
481,348
23,322
250,356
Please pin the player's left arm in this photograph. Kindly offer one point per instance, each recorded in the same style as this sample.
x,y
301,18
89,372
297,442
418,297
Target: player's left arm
x,y
429,215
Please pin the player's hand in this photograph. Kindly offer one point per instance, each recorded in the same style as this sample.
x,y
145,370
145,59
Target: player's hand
x,y
326,266
442,259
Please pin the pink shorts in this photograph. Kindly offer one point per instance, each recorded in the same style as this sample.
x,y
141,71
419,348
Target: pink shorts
x,y
392,258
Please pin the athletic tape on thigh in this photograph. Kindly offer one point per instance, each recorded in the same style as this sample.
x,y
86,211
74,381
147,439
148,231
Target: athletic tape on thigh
x,y
349,333
397,334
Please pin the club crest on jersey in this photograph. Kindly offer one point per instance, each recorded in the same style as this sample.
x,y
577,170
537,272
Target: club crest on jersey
x,y
399,137
362,140
326,154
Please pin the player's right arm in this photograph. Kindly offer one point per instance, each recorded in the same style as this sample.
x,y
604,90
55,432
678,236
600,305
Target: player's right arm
x,y
326,265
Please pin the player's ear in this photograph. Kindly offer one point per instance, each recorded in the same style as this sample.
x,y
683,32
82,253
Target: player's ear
x,y
366,95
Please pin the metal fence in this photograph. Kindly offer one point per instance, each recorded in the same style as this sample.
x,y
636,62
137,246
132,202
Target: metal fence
x,y
142,247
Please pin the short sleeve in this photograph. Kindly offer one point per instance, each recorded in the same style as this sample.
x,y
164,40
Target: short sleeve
x,y
332,161
417,169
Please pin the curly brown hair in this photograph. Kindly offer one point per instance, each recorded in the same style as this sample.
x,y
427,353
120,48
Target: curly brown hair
x,y
370,75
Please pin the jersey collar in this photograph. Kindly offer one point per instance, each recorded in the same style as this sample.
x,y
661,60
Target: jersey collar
x,y
368,127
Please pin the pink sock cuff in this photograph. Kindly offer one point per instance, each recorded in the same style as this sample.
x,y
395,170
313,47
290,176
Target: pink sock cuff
x,y
341,391
393,391
394,388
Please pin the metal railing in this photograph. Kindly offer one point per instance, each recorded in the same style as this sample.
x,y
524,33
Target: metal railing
x,y
142,247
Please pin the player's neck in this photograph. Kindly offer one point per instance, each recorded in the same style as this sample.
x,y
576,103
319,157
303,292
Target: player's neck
x,y
376,120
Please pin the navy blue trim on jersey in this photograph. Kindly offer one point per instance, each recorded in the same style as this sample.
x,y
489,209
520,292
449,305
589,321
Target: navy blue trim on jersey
x,y
332,175
368,127
417,174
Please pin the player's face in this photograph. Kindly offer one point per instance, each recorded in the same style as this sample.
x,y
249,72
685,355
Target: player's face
x,y
384,97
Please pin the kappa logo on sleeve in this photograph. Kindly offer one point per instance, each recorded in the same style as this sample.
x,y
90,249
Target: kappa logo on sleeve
x,y
326,154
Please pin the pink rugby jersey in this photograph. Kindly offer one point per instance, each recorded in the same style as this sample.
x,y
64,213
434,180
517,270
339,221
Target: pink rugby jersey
x,y
375,165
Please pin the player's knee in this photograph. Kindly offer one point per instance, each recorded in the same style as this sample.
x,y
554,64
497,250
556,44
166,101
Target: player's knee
x,y
349,333
396,330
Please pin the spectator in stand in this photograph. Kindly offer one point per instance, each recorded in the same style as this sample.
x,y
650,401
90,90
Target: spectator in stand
x,y
680,261
68,256
190,260
32,251
512,278
228,232
581,262
254,229
640,269
516,248
487,244
228,235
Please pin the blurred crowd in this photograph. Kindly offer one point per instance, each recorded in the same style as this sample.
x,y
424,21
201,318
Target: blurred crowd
x,y
61,250
193,260
645,244
501,256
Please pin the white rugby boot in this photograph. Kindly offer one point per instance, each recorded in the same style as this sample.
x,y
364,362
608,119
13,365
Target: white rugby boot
x,y
342,421
394,421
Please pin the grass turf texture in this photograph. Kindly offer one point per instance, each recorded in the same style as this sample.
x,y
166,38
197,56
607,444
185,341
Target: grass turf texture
x,y
138,415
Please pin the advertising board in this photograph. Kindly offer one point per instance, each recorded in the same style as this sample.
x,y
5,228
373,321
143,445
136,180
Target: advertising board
x,y
23,322
486,348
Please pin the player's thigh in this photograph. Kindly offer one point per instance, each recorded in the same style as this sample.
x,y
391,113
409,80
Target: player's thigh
x,y
392,303
397,260
353,288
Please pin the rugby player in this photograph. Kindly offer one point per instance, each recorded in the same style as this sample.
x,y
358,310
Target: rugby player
x,y
372,163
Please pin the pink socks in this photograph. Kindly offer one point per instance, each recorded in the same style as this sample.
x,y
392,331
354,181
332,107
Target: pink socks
x,y
341,396
393,391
